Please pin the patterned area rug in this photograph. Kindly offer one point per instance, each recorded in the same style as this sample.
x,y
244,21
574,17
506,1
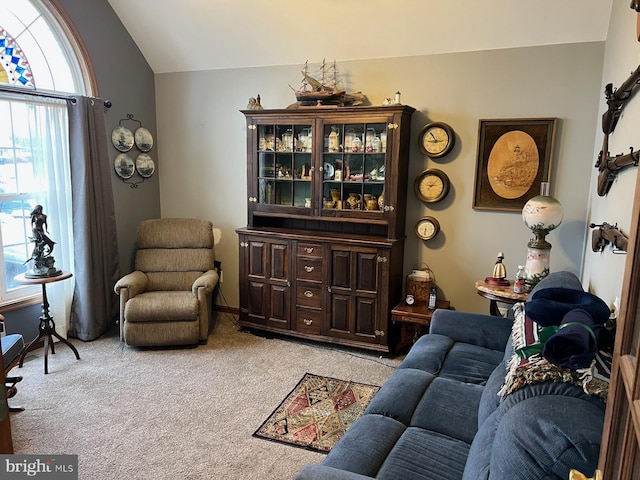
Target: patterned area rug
x,y
317,412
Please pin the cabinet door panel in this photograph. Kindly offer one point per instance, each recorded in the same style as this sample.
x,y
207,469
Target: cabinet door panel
x,y
341,269
367,275
257,301
267,286
280,307
257,259
279,262
366,316
340,314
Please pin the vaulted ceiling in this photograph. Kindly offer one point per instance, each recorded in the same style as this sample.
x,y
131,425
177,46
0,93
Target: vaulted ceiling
x,y
187,35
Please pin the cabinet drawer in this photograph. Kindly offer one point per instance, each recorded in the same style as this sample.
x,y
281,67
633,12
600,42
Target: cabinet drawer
x,y
309,295
309,268
308,321
310,250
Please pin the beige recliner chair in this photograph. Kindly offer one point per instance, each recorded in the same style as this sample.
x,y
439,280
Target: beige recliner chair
x,y
167,300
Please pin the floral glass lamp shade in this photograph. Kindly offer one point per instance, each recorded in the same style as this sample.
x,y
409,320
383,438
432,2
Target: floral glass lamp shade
x,y
541,214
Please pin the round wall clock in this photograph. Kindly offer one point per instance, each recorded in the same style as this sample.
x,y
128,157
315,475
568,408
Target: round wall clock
x,y
436,139
427,228
432,185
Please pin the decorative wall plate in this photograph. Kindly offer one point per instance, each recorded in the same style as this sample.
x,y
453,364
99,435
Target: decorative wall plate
x,y
145,165
124,166
122,138
144,139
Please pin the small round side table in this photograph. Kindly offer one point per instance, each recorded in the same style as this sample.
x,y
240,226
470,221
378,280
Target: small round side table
x,y
498,293
47,325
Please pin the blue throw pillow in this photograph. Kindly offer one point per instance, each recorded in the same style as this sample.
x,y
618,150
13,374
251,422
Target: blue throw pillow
x,y
575,344
550,305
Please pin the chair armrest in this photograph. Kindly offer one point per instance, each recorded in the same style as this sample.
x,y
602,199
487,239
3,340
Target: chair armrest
x,y
135,282
208,280
482,330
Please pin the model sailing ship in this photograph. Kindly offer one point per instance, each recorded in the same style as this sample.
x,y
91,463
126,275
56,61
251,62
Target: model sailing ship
x,y
325,90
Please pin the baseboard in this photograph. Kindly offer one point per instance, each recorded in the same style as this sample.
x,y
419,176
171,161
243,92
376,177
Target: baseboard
x,y
227,309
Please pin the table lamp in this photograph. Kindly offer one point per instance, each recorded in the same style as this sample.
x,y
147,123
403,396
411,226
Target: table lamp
x,y
541,214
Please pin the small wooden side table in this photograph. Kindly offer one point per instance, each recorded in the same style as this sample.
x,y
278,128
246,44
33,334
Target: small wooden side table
x,y
415,317
498,293
47,325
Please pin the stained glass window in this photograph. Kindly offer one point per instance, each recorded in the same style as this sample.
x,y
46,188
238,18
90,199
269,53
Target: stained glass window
x,y
33,52
15,66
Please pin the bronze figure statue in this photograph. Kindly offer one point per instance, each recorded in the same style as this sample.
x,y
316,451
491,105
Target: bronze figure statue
x,y
43,261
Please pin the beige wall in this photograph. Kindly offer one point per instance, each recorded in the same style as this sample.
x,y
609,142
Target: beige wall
x,y
202,151
603,272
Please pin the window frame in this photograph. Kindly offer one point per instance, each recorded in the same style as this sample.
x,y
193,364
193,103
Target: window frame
x,y
81,70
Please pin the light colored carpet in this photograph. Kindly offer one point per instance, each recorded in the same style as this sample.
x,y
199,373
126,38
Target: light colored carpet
x,y
175,413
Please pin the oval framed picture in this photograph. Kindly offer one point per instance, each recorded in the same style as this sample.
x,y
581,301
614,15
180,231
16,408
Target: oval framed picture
x,y
144,139
122,139
145,165
124,166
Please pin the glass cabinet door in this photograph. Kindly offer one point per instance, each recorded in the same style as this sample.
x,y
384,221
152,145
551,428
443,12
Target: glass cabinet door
x,y
284,165
354,166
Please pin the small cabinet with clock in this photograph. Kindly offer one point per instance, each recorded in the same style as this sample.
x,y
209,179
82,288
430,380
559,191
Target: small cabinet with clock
x,y
331,180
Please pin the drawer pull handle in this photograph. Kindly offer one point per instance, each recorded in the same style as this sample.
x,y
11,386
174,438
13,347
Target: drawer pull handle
x,y
308,294
309,269
307,321
308,249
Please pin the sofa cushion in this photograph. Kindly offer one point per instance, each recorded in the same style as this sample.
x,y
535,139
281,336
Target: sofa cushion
x,y
380,447
490,395
557,421
12,346
470,363
450,408
540,437
365,446
400,394
419,399
442,356
421,454
428,353
162,306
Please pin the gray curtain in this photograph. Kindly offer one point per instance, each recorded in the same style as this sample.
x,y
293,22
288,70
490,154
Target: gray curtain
x,y
94,308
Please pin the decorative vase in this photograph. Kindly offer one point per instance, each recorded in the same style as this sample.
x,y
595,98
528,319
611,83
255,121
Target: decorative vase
x,y
354,201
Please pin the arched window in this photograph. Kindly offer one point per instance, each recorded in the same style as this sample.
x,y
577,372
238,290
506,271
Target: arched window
x,y
42,62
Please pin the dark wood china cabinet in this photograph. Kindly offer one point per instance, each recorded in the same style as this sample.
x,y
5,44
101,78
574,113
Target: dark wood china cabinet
x,y
322,255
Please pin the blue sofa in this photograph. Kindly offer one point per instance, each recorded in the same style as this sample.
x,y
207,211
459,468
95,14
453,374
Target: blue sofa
x,y
440,416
